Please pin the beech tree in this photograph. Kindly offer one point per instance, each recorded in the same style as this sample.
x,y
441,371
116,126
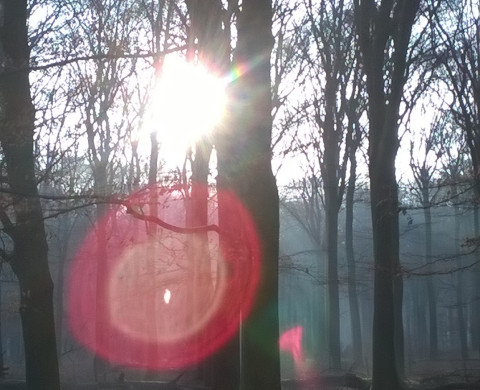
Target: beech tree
x,y
457,26
355,109
424,170
23,222
331,69
244,166
384,31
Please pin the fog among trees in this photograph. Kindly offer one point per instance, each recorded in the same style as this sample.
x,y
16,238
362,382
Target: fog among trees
x,y
225,194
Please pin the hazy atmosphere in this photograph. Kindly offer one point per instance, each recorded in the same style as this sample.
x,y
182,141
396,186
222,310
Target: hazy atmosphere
x,y
240,194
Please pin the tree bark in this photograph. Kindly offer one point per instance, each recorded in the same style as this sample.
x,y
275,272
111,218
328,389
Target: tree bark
x,y
222,370
350,255
431,296
330,169
244,166
459,280
378,26
475,325
30,253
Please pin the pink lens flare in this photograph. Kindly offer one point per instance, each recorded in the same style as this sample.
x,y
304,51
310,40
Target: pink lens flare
x,y
142,295
291,342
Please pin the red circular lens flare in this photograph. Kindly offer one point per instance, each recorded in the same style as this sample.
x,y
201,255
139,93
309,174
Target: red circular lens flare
x,y
142,295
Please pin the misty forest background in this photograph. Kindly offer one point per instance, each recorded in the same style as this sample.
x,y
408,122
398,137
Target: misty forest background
x,y
375,114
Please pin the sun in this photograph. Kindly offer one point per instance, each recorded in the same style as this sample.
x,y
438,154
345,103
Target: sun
x,y
187,103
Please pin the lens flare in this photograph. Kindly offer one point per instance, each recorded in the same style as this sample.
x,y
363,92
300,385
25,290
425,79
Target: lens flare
x,y
144,296
167,295
291,342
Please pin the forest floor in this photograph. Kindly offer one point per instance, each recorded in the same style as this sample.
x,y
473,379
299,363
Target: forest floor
x,y
445,373
442,374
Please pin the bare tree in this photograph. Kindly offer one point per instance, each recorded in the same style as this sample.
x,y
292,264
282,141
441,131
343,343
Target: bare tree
x,y
458,32
28,259
331,67
424,170
384,32
244,166
354,137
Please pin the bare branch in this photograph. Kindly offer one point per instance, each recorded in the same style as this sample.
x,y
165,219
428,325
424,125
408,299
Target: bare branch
x,y
176,229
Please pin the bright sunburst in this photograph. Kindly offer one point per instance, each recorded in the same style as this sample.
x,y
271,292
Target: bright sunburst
x,y
187,102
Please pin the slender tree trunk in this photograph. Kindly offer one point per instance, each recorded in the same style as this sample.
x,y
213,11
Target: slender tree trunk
x,y
475,326
201,282
100,366
333,302
30,257
398,312
461,321
431,296
420,320
330,168
152,229
352,277
59,290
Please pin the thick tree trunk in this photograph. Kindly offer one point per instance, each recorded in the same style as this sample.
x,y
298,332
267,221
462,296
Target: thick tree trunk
x,y
383,145
386,251
30,257
384,30
222,370
244,165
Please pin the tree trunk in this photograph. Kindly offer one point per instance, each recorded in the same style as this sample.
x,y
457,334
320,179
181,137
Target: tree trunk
x,y
352,277
419,320
1,338
384,32
100,366
383,141
66,226
330,168
30,253
386,251
459,280
222,370
152,228
244,165
475,325
398,313
431,296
